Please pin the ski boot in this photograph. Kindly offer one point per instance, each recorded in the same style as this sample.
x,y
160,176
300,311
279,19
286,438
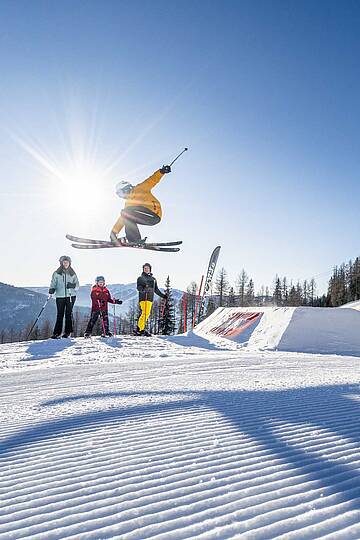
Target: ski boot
x,y
65,335
146,333
123,241
142,241
138,332
87,336
55,336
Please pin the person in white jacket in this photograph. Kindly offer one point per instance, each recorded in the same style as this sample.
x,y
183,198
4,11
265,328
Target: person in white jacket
x,y
64,284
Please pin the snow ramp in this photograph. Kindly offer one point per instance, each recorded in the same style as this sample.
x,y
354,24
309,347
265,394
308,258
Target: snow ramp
x,y
301,329
352,305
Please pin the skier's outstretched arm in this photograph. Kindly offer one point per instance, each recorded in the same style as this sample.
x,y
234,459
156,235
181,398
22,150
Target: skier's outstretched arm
x,y
116,229
155,178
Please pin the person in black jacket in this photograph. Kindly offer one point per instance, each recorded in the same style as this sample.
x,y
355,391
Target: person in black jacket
x,y
147,287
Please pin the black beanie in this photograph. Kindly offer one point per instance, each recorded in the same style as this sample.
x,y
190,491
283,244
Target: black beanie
x,y
147,264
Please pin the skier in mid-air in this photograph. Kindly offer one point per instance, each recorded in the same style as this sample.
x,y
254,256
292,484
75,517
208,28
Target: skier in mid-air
x,y
141,208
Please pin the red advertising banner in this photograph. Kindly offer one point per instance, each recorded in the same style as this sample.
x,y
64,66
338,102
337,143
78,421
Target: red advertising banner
x,y
236,323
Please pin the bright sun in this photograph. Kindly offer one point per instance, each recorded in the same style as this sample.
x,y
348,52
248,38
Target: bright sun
x,y
84,186
76,180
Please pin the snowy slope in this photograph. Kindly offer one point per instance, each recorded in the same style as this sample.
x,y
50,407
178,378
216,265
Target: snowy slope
x,y
301,329
136,438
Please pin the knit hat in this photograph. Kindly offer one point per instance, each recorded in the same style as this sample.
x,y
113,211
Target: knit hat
x,y
64,258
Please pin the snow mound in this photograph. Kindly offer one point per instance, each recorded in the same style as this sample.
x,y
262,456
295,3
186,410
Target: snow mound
x,y
352,305
302,329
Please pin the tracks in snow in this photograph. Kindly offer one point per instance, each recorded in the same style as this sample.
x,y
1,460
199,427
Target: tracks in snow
x,y
197,447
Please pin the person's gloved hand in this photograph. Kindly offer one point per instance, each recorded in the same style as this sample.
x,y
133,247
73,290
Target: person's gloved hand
x,y
51,291
165,169
70,286
117,301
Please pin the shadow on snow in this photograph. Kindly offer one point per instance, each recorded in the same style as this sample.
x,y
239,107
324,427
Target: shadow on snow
x,y
257,414
41,350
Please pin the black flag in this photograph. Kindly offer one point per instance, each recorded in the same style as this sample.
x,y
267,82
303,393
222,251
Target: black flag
x,y
211,270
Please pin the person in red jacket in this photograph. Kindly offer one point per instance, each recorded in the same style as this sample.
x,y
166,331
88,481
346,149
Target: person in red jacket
x,y
100,298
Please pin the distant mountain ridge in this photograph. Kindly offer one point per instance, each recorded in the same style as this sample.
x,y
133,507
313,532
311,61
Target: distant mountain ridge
x,y
20,307
126,292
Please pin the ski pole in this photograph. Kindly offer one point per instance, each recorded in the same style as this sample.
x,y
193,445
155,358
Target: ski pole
x,y
38,317
102,318
72,315
114,306
177,157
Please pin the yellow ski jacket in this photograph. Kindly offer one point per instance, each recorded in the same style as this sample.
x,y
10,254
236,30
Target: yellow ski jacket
x,y
141,195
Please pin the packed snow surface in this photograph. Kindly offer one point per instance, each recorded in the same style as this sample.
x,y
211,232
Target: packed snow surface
x,y
134,438
301,329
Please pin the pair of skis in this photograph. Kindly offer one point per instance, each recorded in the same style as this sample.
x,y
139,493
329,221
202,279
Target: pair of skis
x,y
88,243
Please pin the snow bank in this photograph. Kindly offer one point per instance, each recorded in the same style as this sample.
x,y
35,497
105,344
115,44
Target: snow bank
x,y
352,305
302,329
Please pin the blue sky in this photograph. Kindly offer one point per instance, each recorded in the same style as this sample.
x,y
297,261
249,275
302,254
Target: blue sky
x,y
265,94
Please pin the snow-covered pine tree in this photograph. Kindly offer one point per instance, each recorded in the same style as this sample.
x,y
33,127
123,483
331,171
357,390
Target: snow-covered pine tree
x,y
191,302
241,282
231,300
221,286
167,321
250,293
277,294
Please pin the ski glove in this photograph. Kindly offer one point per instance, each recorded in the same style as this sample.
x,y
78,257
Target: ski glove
x,y
118,301
51,291
70,286
165,169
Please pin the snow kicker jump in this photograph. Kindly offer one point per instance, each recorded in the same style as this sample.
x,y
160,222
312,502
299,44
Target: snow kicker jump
x,y
301,329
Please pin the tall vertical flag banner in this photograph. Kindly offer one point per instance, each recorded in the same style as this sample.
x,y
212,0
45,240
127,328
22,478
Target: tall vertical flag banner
x,y
209,276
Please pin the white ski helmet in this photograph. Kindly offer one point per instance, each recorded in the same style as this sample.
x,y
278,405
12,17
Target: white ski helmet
x,y
123,188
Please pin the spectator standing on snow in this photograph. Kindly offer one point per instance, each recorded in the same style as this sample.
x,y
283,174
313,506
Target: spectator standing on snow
x,y
100,298
64,284
147,287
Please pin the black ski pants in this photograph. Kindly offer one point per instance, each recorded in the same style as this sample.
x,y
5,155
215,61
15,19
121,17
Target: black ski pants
x,y
137,215
94,317
64,306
